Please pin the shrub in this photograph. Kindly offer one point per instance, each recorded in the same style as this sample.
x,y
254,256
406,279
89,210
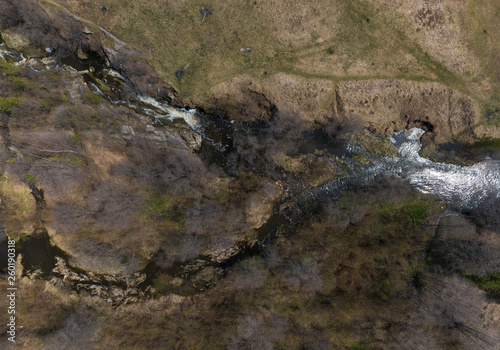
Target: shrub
x,y
303,273
490,283
91,98
8,68
250,273
7,103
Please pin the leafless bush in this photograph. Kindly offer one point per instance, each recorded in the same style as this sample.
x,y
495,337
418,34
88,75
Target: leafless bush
x,y
141,74
179,171
209,219
469,256
43,143
16,166
272,257
249,273
9,15
50,156
77,333
257,142
257,331
69,217
303,273
113,206
341,125
56,30
56,177
108,207
487,213
449,313
131,265
179,248
203,217
94,255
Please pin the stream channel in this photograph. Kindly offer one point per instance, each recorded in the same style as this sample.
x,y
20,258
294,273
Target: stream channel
x,y
464,188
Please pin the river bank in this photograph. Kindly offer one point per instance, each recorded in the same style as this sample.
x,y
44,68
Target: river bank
x,y
142,224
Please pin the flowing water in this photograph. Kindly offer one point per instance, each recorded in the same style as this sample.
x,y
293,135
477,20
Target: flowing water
x,y
462,187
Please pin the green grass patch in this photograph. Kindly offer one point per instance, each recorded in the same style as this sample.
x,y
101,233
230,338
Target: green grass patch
x,y
72,159
165,210
19,83
161,284
7,103
31,178
412,212
358,346
8,68
490,283
92,98
486,143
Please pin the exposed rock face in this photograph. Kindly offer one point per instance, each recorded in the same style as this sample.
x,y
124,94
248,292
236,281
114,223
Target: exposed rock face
x,y
127,132
386,106
15,40
239,100
115,290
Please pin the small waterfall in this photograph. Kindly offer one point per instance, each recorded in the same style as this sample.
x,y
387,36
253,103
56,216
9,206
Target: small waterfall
x,y
462,187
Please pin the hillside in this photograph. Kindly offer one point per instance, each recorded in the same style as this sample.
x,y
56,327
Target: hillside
x,y
236,174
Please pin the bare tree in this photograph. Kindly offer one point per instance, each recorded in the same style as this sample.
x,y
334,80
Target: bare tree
x,y
257,331
179,248
448,313
249,273
303,273
77,333
205,12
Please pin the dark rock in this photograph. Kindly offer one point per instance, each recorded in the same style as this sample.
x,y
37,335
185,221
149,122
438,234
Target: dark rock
x,y
204,11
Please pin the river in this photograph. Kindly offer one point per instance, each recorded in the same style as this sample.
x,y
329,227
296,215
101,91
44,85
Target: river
x,y
464,188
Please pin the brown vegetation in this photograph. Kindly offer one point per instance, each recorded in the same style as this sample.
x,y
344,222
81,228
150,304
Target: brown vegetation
x,y
120,194
41,27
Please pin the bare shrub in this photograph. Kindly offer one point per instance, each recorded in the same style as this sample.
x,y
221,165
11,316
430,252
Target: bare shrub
x,y
256,143
58,178
108,207
56,29
203,217
272,257
43,143
113,206
179,171
179,248
70,216
45,310
9,15
94,255
209,218
249,273
469,256
16,165
304,274
77,333
341,125
487,213
141,74
257,331
448,313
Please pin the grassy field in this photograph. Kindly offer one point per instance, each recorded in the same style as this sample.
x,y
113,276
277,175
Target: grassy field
x,y
317,40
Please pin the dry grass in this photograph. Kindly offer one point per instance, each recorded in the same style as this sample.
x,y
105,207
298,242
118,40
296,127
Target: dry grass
x,y
19,206
446,42
283,35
